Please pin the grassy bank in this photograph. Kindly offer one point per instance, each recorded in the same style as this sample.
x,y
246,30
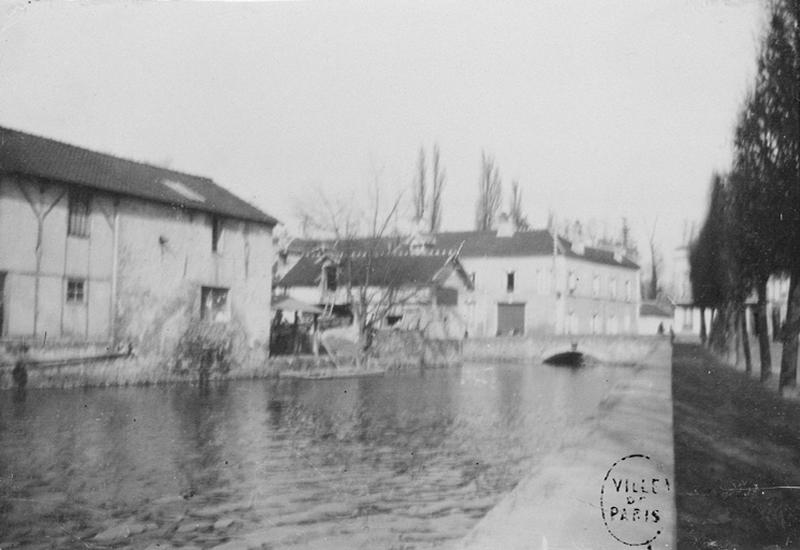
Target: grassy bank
x,y
736,443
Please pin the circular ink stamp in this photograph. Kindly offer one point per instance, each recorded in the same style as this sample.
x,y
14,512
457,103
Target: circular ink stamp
x,y
634,500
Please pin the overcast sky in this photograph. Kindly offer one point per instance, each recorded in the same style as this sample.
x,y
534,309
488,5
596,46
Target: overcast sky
x,y
599,109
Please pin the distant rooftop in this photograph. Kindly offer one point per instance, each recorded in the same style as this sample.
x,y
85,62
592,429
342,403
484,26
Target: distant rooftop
x,y
28,154
473,244
382,270
538,242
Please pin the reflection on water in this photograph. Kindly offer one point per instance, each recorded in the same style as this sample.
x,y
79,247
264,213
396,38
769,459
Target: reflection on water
x,y
401,461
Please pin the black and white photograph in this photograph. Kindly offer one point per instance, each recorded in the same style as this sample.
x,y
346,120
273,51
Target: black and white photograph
x,y
423,274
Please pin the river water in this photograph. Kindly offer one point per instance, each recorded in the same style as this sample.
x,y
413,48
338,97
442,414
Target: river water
x,y
407,460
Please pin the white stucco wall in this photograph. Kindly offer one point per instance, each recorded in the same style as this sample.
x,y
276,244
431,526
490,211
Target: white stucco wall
x,y
164,258
547,298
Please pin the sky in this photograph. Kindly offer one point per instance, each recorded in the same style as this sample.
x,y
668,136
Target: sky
x,y
599,109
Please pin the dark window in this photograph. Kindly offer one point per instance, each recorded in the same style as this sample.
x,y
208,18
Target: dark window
x,y
510,281
216,234
330,278
75,291
214,304
572,282
392,320
78,220
2,299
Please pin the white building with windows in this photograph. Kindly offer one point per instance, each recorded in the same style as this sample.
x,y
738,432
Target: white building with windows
x,y
534,282
98,249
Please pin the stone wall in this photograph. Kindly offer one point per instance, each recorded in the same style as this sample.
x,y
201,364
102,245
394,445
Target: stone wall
x,y
402,349
610,349
166,257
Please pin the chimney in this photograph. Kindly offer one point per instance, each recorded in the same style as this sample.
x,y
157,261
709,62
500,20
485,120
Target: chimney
x,y
505,226
421,241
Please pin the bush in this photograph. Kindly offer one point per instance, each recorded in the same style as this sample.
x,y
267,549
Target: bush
x,y
207,347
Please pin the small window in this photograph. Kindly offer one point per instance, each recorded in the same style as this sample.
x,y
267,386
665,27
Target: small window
x,y
216,234
78,218
628,293
75,291
331,282
510,281
595,324
392,320
2,299
572,327
596,286
572,282
214,305
612,288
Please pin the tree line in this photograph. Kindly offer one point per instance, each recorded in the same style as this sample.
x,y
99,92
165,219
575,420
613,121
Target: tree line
x,y
752,227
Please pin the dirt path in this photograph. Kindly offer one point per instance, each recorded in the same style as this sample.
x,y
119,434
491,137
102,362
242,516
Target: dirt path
x,y
734,442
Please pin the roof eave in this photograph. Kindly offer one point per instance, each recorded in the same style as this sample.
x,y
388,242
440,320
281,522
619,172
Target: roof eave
x,y
267,220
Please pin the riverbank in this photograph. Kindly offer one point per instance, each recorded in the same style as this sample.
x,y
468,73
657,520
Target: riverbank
x,y
559,503
734,442
97,365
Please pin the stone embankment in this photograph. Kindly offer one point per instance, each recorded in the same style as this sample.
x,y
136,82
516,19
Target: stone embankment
x,y
98,365
558,505
607,349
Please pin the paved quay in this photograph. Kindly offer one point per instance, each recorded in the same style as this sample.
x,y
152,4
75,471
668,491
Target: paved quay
x,y
625,451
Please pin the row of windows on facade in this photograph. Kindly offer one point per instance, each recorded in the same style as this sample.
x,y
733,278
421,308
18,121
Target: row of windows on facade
x,y
596,325
543,284
78,220
214,305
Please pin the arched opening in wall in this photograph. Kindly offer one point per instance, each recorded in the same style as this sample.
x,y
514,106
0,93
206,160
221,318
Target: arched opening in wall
x,y
572,358
566,359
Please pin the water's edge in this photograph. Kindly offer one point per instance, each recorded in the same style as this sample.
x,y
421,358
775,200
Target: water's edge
x,y
558,505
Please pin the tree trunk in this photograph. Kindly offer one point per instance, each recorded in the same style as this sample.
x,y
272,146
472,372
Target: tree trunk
x,y
791,328
748,360
703,331
776,324
764,350
723,336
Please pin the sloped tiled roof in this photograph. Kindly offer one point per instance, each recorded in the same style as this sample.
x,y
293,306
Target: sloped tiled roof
x,y
382,245
487,243
522,243
598,255
22,153
476,244
385,270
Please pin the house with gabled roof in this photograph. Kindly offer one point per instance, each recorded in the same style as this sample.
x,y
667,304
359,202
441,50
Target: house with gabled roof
x,y
525,282
399,290
539,282
96,248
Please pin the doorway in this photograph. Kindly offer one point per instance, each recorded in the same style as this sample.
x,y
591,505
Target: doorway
x,y
510,319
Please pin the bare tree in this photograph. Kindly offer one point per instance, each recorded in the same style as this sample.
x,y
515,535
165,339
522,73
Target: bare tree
x,y
489,194
437,187
420,187
360,238
519,220
654,262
